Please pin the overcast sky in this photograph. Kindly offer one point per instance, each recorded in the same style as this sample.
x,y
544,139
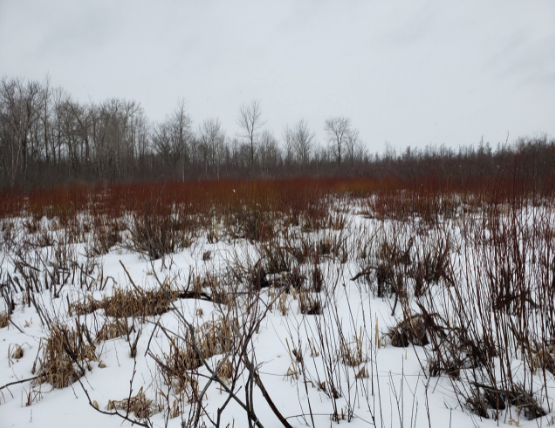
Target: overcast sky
x,y
406,72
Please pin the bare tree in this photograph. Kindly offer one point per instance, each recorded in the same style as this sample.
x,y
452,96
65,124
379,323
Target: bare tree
x,y
164,145
112,128
337,130
270,155
211,140
20,108
171,138
66,139
288,137
302,142
180,124
354,150
250,121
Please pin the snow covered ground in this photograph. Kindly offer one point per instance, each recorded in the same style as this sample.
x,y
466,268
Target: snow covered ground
x,y
280,326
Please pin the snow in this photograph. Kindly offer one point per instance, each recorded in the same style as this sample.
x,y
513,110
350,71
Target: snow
x,y
398,392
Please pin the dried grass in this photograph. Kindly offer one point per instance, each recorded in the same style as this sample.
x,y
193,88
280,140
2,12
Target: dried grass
x,y
351,353
411,330
114,329
282,303
4,319
310,305
212,338
65,355
129,303
544,359
226,371
16,353
362,374
140,405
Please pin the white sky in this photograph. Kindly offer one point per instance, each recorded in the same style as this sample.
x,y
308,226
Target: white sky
x,y
408,72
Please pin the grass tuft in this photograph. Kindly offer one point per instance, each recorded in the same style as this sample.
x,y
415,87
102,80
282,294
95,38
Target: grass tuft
x,y
140,405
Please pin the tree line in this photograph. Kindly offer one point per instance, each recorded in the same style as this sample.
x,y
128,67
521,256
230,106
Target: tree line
x,y
48,138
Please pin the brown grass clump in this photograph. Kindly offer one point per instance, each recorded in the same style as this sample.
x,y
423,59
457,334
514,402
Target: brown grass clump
x,y
226,371
544,359
65,355
84,307
116,328
17,352
214,337
128,303
282,303
310,305
4,319
362,373
352,355
177,366
140,405
484,398
222,297
410,330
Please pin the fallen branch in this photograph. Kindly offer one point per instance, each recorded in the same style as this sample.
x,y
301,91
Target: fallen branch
x,y
18,381
365,272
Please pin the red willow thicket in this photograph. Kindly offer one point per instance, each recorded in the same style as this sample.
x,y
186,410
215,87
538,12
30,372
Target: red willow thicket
x,y
427,196
197,196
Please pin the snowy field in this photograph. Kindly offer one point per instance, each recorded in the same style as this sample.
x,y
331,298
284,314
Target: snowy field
x,y
348,315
